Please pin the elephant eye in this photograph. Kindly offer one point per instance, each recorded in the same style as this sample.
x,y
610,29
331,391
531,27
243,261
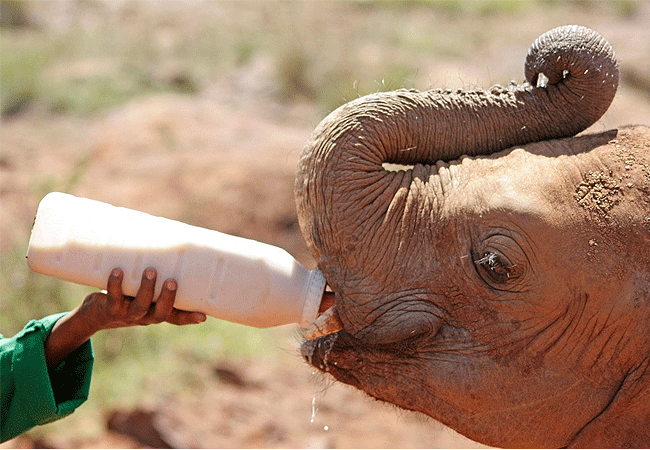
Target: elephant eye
x,y
494,268
500,261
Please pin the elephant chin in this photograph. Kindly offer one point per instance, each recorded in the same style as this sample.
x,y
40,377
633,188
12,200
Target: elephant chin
x,y
318,352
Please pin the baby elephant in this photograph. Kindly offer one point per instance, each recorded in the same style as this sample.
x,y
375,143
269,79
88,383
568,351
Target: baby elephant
x,y
498,279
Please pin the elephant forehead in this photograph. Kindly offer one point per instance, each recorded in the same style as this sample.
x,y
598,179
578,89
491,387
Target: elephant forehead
x,y
515,182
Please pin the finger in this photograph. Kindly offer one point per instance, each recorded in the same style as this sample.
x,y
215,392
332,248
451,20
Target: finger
x,y
114,286
165,302
142,302
178,317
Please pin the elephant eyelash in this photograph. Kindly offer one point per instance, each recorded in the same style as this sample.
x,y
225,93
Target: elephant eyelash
x,y
498,270
488,259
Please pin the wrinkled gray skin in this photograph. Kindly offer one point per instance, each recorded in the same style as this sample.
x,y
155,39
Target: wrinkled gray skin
x,y
505,295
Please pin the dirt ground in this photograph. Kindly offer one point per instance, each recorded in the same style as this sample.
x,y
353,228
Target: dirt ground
x,y
254,405
224,158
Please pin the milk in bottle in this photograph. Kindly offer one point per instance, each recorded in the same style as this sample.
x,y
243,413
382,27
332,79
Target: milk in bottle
x,y
227,277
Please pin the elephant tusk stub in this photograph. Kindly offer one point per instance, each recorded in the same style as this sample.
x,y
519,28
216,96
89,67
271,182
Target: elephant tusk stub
x,y
327,323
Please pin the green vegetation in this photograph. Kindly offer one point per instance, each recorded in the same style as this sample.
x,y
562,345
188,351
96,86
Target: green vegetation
x,y
86,67
20,65
27,296
101,56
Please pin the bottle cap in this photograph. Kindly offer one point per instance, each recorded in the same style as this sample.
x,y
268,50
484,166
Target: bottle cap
x,y
313,298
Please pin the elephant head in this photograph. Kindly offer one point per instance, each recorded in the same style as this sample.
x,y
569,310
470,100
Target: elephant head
x,y
503,291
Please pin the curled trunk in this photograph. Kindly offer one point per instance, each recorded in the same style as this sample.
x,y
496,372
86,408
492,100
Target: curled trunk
x,y
347,203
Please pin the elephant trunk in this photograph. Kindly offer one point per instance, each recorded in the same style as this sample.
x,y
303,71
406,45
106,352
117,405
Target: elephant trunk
x,y
346,199
582,74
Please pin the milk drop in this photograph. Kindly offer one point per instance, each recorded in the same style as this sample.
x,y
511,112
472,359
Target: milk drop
x,y
313,409
227,277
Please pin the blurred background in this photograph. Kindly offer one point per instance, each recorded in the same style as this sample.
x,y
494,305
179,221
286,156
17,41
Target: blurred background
x,y
198,111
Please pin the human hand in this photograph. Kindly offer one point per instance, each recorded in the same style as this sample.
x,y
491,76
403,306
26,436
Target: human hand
x,y
112,309
115,310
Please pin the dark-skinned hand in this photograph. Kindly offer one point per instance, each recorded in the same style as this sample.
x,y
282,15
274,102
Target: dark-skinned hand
x,y
112,309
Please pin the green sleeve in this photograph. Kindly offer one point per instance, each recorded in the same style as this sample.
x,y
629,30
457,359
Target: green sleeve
x,y
30,394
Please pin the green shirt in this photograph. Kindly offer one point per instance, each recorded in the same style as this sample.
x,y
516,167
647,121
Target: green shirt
x,y
30,394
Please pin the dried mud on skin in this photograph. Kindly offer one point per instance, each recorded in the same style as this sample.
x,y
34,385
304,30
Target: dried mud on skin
x,y
598,192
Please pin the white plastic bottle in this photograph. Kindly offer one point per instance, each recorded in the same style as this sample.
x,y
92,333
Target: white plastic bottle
x,y
227,277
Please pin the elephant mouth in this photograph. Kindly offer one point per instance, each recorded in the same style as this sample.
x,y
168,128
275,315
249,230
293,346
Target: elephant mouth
x,y
317,351
322,334
328,321
327,346
331,354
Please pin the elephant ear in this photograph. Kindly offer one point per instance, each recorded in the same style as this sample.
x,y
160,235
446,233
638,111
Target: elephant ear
x,y
364,224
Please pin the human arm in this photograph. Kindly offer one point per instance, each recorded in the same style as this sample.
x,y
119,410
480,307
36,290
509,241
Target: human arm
x,y
31,393
46,367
